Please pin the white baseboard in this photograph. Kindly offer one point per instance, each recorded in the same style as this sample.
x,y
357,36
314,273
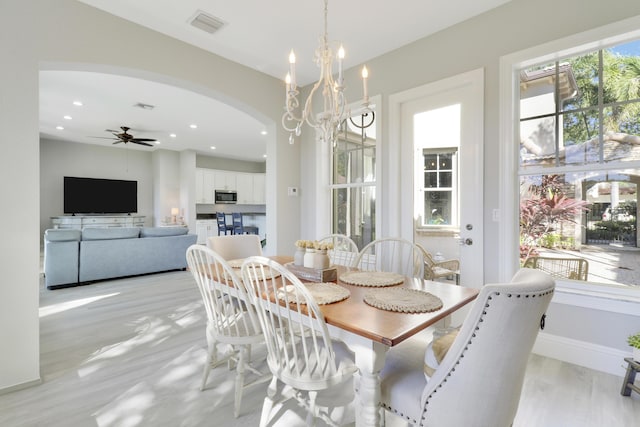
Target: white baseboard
x,y
582,353
20,386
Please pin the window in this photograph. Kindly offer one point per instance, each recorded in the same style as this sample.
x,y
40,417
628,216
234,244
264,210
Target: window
x,y
440,176
579,160
436,134
353,181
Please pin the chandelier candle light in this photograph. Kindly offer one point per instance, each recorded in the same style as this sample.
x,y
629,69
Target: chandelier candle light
x,y
335,103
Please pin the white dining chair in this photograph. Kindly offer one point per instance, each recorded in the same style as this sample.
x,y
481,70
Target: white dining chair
x,y
479,381
313,369
237,246
231,318
393,255
344,250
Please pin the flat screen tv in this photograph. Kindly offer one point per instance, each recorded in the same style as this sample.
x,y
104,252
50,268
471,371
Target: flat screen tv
x,y
99,196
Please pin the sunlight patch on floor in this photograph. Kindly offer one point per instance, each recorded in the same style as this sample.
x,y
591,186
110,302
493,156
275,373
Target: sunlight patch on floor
x,y
129,409
69,305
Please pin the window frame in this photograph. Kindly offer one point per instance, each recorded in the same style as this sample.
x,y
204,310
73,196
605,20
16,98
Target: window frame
x,y
372,184
591,294
453,190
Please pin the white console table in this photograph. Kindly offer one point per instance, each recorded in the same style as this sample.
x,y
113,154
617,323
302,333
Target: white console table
x,y
98,221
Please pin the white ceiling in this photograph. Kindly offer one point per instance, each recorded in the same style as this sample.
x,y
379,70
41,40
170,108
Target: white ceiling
x,y
258,34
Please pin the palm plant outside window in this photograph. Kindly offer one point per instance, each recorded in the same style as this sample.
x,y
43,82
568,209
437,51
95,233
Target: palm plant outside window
x,y
579,156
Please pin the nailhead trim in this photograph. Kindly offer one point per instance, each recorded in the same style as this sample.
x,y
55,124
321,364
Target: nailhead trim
x,y
395,411
473,335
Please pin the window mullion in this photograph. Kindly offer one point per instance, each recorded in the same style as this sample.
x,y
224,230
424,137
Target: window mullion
x,y
600,107
556,95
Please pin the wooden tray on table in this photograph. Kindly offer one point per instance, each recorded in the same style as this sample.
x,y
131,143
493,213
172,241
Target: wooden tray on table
x,y
312,274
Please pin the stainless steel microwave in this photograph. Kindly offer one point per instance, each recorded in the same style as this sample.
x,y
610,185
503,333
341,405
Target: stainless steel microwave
x,y
226,196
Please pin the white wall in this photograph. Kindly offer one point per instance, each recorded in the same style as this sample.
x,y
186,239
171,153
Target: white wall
x,y
188,188
480,43
166,188
62,158
65,34
20,203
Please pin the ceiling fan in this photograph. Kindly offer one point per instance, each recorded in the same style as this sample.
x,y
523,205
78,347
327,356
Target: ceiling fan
x,y
126,137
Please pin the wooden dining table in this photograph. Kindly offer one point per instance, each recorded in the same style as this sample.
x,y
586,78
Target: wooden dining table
x,y
369,331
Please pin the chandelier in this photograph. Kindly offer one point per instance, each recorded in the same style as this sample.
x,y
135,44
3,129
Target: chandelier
x,y
335,104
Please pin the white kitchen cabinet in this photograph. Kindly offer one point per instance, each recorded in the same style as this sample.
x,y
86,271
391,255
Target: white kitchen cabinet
x,y
251,188
205,229
244,186
225,180
259,189
205,185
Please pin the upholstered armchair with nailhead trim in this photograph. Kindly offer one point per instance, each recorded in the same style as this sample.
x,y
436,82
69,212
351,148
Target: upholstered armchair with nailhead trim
x,y
479,380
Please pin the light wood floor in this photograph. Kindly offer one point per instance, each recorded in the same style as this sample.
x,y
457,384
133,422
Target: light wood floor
x,y
130,352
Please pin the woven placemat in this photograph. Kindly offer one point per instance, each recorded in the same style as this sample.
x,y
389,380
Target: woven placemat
x,y
236,264
403,300
372,278
322,293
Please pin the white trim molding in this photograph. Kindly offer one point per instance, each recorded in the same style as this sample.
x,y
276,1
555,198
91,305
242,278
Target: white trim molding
x,y
604,298
592,295
582,353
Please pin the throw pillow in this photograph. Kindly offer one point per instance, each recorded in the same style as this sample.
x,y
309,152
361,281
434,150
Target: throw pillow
x,y
436,351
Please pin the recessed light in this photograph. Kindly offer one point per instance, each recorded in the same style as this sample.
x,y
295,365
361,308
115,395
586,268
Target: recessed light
x,y
59,128
264,132
77,103
264,155
172,135
193,126
157,142
67,117
213,148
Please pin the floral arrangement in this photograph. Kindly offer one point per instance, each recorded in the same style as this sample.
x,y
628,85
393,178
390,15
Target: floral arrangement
x,y
304,243
634,340
313,244
325,246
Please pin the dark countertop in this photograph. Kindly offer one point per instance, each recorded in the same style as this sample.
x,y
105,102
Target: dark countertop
x,y
205,216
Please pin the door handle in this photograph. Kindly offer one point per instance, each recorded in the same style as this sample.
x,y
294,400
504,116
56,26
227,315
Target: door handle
x,y
468,241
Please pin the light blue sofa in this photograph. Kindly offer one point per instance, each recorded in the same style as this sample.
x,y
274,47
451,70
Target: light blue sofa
x,y
73,257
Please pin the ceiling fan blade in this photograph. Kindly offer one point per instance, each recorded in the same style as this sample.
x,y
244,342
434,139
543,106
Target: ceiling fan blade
x,y
117,142
137,141
142,139
102,137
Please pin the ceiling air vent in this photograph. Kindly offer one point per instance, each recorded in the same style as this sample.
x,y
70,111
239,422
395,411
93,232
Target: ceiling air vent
x,y
206,22
144,106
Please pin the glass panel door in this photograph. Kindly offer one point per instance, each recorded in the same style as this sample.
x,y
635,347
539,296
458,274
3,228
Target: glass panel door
x,y
353,185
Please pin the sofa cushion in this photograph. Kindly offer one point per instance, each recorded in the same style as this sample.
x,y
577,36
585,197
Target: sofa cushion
x,y
163,231
110,233
61,235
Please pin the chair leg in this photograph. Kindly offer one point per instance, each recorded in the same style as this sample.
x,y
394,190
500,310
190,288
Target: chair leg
x,y
267,406
211,353
311,416
248,348
240,370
